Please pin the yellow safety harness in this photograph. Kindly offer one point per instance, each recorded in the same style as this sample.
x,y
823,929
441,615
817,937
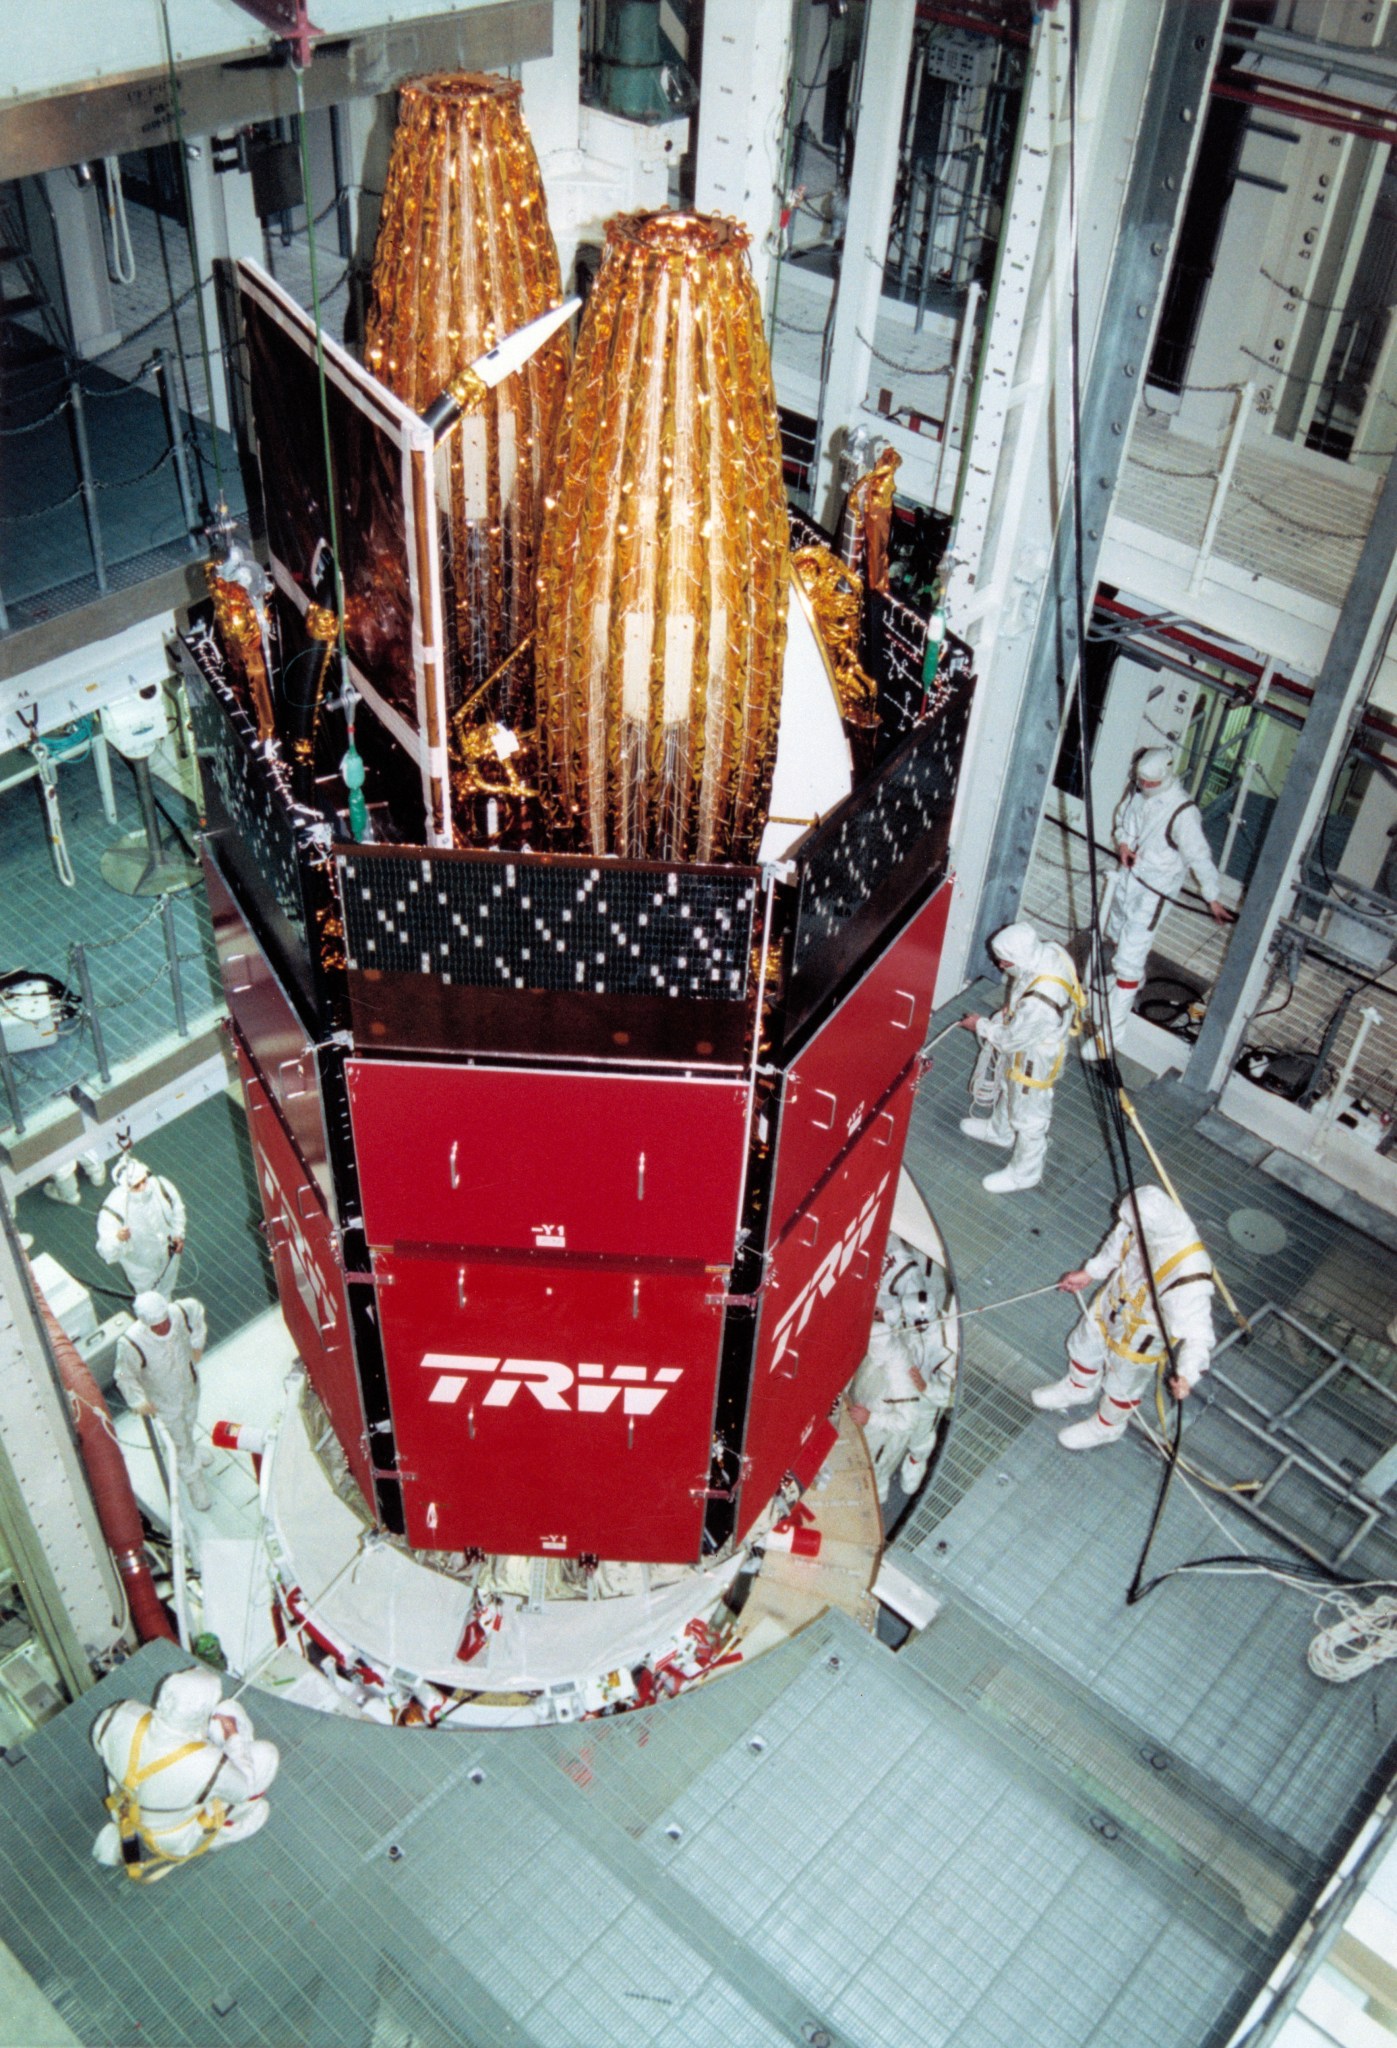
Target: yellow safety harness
x,y
138,1839
1115,1308
1018,1072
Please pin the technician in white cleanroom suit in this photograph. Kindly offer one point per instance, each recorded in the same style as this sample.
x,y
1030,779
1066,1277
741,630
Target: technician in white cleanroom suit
x,y
186,1774
140,1227
157,1362
1116,1349
1159,840
898,1397
1024,1044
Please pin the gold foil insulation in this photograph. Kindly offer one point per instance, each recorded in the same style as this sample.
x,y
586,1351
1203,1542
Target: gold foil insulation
x,y
240,630
322,627
834,595
663,565
464,257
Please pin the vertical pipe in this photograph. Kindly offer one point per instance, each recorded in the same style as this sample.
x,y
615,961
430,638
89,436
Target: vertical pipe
x,y
964,346
7,1069
78,954
1224,484
888,35
167,400
167,918
1368,1018
111,1482
86,483
1239,802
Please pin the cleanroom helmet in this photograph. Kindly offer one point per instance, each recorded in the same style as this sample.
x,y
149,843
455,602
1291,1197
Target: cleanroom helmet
x,y
1154,768
1015,946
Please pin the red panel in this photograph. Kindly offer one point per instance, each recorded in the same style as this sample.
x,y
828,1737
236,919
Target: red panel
x,y
309,1278
597,1440
551,1161
855,1057
273,1033
817,1304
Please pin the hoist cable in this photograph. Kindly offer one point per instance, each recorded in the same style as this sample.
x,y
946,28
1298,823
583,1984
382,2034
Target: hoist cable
x,y
192,237
330,502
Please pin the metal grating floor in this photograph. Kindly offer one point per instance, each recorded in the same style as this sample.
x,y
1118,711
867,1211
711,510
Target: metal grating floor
x,y
124,938
1049,1820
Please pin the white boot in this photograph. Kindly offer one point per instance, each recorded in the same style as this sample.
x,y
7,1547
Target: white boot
x,y
1064,1393
107,1847
95,1167
197,1487
246,1821
1011,1180
982,1127
1097,1430
63,1187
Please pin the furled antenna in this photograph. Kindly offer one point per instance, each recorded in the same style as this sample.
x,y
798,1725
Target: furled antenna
x,y
464,258
663,566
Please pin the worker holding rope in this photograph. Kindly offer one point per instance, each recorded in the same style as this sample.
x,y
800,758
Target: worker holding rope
x,y
186,1775
1152,1315
1159,841
1022,1048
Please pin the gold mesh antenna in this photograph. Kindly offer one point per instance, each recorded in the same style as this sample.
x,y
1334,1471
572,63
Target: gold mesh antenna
x,y
464,257
663,567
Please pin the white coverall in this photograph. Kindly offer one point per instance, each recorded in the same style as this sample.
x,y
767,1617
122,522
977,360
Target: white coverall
x,y
1115,1350
185,1774
905,1288
1028,1037
1164,830
163,1371
154,1215
902,1417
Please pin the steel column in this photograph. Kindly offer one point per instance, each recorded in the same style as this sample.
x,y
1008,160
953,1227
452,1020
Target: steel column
x,y
48,1524
1341,690
1167,139
887,56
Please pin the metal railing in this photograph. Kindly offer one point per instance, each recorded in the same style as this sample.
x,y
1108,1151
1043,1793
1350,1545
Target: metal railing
x,y
73,399
85,1032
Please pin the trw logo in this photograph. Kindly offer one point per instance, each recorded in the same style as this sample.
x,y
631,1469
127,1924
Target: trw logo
x,y
826,1276
314,1288
550,1381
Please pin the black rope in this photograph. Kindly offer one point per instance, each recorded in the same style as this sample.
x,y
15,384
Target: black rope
x,y
1118,1126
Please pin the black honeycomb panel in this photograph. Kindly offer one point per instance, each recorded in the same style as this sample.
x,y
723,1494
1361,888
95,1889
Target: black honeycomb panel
x,y
255,808
885,846
551,927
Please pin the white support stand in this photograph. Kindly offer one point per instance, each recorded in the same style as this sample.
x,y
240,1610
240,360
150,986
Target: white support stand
x,y
746,57
877,143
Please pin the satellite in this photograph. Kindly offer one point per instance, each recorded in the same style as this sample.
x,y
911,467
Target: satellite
x,y
578,1006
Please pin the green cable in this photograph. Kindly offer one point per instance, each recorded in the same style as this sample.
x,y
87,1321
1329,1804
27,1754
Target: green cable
x,y
320,366
193,240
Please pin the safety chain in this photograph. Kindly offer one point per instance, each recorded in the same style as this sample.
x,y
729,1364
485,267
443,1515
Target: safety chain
x,y
100,945
26,518
794,327
1288,376
13,433
906,369
1299,525
1160,412
1184,475
121,391
121,483
106,1003
1318,305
